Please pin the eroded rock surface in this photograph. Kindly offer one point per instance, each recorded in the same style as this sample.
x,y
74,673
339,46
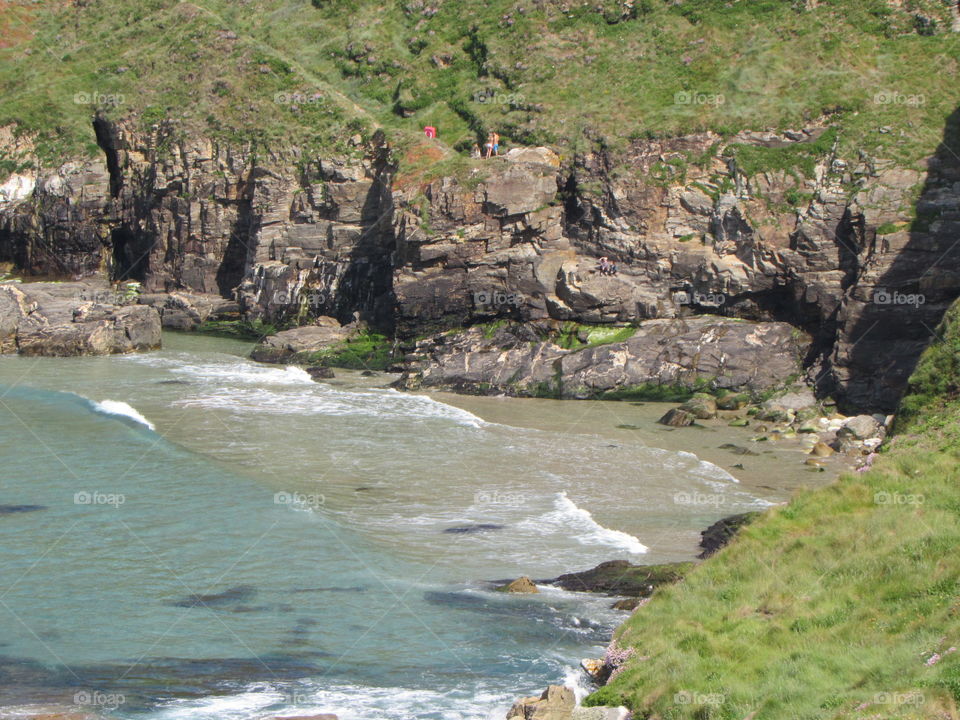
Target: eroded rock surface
x,y
60,319
687,353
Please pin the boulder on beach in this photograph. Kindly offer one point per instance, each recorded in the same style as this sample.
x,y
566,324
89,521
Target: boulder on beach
x,y
677,417
821,449
302,342
860,427
521,585
702,406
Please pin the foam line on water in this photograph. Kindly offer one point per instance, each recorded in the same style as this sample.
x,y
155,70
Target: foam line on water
x,y
235,384
348,702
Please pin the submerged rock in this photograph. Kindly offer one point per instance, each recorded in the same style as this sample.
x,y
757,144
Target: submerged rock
x,y
17,509
231,596
738,449
520,585
479,527
320,372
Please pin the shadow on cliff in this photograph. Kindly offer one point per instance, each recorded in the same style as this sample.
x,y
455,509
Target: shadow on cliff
x,y
891,313
366,286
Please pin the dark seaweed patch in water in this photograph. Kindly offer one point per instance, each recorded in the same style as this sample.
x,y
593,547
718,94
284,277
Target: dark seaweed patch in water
x,y
147,682
737,449
173,382
480,527
516,613
16,509
232,596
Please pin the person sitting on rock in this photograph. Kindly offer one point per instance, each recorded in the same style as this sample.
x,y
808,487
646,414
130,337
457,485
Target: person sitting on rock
x,y
603,265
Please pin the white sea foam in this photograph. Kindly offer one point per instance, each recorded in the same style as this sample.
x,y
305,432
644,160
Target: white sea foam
x,y
121,409
234,384
348,702
579,523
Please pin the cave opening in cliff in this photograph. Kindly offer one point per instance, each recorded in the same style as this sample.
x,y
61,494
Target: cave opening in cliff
x,y
129,262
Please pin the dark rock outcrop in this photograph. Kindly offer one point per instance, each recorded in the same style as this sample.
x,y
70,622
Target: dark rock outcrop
x,y
722,532
620,577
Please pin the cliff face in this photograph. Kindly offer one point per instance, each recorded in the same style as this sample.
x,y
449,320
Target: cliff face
x,y
858,253
198,215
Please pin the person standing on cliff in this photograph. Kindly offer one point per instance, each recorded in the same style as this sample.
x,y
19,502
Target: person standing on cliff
x,y
488,146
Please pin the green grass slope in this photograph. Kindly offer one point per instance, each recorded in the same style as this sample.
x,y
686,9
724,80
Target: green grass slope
x,y
843,603
567,73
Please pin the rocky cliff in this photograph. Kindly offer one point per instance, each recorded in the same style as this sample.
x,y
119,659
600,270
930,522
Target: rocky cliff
x,y
856,252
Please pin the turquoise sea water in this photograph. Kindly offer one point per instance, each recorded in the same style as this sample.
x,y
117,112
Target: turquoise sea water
x,y
187,534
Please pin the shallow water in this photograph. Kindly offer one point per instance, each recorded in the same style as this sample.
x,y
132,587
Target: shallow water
x,y
193,535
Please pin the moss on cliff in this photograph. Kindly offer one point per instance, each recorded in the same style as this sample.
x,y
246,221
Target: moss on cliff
x,y
843,603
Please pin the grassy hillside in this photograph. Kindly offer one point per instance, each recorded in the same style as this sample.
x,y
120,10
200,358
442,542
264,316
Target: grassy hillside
x,y
844,603
561,72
